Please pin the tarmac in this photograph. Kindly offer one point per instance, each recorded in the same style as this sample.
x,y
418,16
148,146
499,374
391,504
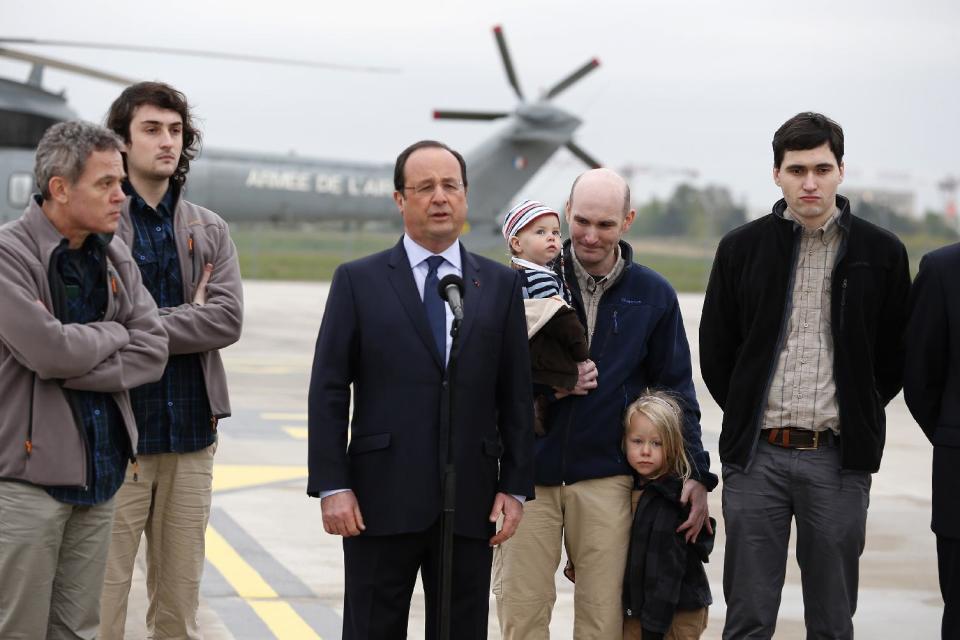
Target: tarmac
x,y
272,572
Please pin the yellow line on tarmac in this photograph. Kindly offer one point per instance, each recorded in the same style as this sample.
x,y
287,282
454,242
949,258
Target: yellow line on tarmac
x,y
247,476
301,417
283,620
279,616
242,577
300,433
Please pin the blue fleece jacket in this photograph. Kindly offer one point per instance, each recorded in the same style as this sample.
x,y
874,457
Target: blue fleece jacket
x,y
638,342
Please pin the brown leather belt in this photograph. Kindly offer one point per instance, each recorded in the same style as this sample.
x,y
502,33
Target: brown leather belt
x,y
796,438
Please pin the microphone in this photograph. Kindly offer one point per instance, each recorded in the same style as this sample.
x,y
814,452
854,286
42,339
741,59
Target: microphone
x,y
451,290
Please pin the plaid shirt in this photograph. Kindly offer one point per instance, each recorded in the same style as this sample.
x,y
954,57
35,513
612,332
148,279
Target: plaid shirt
x,y
81,295
803,392
173,414
592,288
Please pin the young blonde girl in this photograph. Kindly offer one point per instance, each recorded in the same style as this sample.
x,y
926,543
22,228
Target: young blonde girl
x,y
665,588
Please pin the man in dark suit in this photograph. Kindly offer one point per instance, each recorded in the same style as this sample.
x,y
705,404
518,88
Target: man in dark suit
x,y
931,387
385,331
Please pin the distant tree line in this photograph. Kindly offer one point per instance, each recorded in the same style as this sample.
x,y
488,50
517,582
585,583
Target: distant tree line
x,y
711,212
931,224
691,212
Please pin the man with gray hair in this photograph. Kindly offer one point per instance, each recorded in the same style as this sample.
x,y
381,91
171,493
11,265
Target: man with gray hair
x,y
77,331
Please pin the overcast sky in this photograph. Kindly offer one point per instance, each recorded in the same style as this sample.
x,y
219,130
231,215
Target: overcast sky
x,y
695,84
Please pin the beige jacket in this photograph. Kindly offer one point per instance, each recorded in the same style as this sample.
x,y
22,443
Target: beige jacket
x,y
40,441
202,237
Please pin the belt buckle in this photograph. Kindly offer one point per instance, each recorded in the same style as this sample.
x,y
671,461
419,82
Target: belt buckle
x,y
816,443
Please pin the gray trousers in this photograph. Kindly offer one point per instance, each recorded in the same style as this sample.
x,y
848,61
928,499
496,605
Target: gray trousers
x,y
831,514
52,559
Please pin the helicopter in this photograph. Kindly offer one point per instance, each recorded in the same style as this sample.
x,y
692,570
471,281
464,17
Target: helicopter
x,y
257,187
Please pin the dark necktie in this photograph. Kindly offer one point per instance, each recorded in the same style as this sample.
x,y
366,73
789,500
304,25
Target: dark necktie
x,y
436,313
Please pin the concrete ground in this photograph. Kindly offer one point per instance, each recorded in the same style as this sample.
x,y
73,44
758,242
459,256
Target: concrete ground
x,y
272,572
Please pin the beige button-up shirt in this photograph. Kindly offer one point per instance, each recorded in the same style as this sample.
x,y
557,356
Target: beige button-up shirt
x,y
803,392
592,289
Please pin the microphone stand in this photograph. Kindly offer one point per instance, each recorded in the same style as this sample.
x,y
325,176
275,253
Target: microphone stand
x,y
448,487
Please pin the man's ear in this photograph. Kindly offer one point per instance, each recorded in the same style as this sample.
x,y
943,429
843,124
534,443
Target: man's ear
x,y
842,169
776,176
59,189
398,199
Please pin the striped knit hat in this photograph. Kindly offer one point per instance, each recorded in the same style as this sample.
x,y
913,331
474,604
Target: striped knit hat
x,y
523,214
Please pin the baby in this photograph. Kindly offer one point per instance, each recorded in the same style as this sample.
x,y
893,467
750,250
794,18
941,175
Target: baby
x,y
557,339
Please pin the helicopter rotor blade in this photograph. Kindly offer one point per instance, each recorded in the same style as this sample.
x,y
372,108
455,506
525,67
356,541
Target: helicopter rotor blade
x,y
573,77
201,54
446,114
507,62
583,155
65,66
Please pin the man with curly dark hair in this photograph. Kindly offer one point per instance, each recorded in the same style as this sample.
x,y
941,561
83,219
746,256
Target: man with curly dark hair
x,y
189,265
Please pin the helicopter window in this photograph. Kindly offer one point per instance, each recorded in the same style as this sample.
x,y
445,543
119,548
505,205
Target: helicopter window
x,y
18,189
22,130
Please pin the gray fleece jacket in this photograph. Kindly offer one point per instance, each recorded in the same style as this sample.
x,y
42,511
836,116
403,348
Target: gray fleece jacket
x,y
40,440
202,237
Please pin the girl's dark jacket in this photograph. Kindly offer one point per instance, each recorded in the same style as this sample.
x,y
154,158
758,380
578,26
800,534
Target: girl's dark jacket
x,y
745,316
664,573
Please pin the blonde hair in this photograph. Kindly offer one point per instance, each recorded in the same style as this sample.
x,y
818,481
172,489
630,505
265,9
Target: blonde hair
x,y
664,412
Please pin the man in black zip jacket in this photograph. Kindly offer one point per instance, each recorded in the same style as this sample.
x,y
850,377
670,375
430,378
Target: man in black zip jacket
x,y
801,346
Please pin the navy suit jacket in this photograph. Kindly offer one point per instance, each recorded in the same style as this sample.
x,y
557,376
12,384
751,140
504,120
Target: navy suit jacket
x,y
375,336
931,384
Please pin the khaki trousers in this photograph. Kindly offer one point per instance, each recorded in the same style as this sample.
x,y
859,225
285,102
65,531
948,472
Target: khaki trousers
x,y
592,520
686,625
52,556
170,502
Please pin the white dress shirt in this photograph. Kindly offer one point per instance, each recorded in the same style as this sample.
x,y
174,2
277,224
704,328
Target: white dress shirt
x,y
418,265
